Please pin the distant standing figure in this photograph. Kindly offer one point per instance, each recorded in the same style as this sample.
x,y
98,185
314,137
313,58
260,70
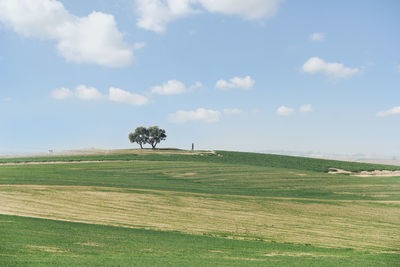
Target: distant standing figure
x,y
192,146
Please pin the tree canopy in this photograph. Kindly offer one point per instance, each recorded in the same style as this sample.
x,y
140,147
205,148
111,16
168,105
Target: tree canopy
x,y
140,136
156,135
152,135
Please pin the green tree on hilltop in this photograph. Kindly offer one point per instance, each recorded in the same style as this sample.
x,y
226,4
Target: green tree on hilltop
x,y
156,135
140,136
152,135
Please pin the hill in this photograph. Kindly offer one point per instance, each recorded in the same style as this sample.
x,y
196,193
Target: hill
x,y
196,208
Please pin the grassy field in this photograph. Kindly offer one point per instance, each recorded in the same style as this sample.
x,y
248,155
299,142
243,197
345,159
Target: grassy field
x,y
180,208
254,159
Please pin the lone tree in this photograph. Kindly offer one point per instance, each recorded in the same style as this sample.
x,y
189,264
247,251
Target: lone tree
x,y
152,135
140,136
156,135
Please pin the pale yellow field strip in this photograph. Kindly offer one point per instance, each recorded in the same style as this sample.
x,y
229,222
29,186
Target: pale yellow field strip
x,y
59,162
364,225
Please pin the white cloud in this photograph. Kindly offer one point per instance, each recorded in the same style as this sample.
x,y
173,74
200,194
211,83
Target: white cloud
x,y
87,93
334,70
119,95
91,39
317,36
201,114
232,111
140,45
83,92
61,93
306,108
284,111
172,87
155,14
393,111
39,18
248,9
196,85
94,39
245,83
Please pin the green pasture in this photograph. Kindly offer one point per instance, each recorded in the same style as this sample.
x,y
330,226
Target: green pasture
x,y
39,242
177,208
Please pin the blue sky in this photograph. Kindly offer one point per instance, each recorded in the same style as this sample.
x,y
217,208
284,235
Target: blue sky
x,y
253,75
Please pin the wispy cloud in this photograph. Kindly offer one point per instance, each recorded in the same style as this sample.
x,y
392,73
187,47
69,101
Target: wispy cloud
x,y
174,87
140,45
245,83
154,15
122,96
306,108
61,93
284,111
317,65
392,111
317,36
82,92
232,111
196,85
200,114
87,93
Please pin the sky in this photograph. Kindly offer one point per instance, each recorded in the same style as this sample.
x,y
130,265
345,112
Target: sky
x,y
244,75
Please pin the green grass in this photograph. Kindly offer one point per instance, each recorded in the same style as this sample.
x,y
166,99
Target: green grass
x,y
288,209
34,242
212,178
228,157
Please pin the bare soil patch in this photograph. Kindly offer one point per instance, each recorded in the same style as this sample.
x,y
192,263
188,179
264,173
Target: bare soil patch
x,y
90,244
48,249
59,162
375,173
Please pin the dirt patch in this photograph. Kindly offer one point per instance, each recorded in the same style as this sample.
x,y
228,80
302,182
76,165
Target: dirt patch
x,y
215,251
90,244
243,259
48,249
286,254
339,171
300,254
388,252
383,173
59,162
186,174
375,173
